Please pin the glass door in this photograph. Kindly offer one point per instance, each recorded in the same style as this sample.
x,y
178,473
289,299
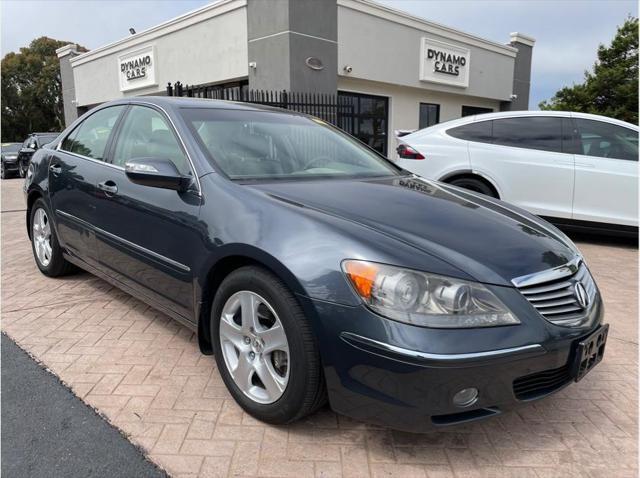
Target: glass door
x,y
366,118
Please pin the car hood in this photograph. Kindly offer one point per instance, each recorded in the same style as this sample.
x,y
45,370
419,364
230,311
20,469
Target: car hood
x,y
487,239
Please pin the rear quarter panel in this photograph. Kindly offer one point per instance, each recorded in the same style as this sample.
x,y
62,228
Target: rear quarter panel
x,y
443,154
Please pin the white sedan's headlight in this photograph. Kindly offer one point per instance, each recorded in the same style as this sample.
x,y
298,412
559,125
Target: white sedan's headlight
x,y
424,299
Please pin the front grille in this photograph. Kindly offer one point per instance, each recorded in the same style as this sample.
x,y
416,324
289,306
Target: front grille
x,y
556,299
541,383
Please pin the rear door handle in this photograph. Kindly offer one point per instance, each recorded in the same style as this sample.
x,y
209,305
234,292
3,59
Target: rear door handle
x,y
109,187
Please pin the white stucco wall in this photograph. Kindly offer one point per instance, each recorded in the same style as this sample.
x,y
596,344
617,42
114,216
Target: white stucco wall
x,y
384,45
206,47
404,103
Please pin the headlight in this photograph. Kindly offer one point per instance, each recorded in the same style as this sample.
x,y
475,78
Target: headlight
x,y
424,299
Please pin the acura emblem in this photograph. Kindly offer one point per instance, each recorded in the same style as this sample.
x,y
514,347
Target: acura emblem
x,y
581,295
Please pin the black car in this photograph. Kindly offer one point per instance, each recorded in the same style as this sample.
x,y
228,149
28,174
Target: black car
x,y
314,268
33,142
9,159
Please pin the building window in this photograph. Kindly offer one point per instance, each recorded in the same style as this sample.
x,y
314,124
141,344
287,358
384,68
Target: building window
x,y
366,117
429,115
475,110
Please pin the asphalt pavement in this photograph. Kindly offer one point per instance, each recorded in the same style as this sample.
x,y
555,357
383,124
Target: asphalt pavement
x,y
48,432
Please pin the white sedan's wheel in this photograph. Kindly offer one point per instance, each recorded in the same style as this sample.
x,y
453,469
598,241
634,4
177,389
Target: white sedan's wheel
x,y
41,235
255,347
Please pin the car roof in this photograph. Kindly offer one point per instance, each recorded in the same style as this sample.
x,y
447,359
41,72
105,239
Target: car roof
x,y
182,102
512,114
562,114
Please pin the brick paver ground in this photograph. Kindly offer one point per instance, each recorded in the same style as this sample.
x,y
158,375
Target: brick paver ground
x,y
144,373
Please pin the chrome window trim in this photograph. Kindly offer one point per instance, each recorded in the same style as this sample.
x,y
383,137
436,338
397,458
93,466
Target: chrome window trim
x,y
442,358
125,241
547,275
98,161
175,130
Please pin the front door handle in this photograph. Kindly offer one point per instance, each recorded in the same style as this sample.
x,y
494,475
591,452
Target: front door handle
x,y
55,169
109,187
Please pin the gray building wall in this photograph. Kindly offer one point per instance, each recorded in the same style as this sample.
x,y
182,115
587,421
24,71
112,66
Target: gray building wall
x,y
282,34
68,85
206,46
384,46
521,73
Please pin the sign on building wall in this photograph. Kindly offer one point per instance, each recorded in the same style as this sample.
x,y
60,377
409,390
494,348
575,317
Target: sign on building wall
x,y
137,69
444,63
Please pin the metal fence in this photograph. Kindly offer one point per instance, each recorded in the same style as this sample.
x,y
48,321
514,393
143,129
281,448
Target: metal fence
x,y
334,109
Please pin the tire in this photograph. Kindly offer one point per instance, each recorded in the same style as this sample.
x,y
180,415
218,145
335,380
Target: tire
x,y
3,172
475,185
304,391
41,237
22,169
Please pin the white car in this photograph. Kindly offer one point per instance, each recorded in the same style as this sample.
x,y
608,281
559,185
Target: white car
x,y
576,169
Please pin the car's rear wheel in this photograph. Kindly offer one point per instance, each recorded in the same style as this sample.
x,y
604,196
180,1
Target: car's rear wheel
x,y
264,347
44,243
3,171
475,185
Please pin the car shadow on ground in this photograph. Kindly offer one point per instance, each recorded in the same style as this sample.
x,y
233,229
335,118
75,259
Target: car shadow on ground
x,y
599,239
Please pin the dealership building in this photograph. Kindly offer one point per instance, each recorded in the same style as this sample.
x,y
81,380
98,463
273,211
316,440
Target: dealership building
x,y
401,72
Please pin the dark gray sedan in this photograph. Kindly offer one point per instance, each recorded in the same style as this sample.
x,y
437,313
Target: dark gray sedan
x,y
314,268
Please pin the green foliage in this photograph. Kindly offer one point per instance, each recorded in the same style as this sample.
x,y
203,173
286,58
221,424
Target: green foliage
x,y
32,90
612,88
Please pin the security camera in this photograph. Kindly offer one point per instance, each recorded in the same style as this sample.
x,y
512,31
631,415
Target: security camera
x,y
514,97
348,69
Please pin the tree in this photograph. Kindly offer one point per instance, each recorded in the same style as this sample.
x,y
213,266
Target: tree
x,y
32,90
612,88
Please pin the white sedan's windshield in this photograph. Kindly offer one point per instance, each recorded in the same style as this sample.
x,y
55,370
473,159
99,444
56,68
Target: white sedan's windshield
x,y
263,144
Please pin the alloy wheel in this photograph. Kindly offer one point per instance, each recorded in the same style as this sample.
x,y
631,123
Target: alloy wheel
x,y
41,234
255,347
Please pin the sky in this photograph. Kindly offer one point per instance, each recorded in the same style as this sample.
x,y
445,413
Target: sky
x,y
567,32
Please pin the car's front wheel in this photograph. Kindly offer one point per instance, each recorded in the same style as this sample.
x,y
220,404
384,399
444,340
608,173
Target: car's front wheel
x,y
44,243
264,347
3,171
22,169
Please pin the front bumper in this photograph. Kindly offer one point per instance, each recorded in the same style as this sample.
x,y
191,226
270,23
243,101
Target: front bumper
x,y
405,377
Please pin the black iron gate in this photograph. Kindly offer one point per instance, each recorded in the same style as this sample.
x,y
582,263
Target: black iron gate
x,y
333,109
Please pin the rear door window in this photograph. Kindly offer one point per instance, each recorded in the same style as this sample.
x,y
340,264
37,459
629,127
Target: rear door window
x,y
90,138
533,132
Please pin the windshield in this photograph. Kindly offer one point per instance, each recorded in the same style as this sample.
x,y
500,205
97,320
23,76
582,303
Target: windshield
x,y
270,145
11,147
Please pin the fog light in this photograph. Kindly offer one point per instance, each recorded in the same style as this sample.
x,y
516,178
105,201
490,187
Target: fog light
x,y
465,397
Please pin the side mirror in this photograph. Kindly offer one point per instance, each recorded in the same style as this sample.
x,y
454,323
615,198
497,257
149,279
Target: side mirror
x,y
156,173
